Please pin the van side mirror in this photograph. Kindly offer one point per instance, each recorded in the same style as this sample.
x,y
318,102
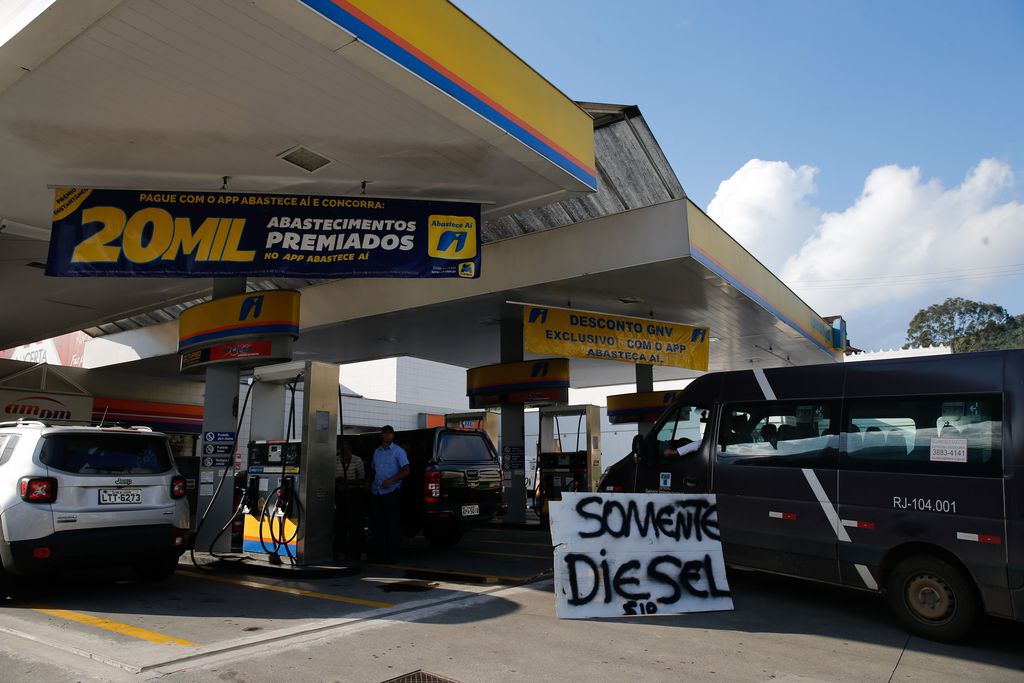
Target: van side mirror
x,y
638,444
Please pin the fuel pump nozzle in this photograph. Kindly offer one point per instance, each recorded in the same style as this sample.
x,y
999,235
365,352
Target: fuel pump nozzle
x,y
250,496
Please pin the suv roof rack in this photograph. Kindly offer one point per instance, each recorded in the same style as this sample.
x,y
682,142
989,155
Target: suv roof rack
x,y
22,422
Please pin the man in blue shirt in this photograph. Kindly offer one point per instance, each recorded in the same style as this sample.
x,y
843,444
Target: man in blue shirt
x,y
390,465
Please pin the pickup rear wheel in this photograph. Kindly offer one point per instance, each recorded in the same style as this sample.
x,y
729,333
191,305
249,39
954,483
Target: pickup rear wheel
x,y
442,535
933,598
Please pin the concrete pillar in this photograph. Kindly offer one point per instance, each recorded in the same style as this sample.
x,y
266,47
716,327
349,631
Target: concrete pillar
x,y
220,414
644,382
513,439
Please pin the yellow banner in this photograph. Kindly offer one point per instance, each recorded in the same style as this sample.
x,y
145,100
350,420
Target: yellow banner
x,y
581,334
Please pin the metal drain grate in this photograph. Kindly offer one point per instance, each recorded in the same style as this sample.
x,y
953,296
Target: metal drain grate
x,y
420,676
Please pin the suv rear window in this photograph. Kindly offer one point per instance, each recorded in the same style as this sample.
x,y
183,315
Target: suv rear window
x,y
464,448
106,453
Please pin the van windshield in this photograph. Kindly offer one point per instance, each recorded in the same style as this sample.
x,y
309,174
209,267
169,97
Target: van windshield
x,y
463,448
106,453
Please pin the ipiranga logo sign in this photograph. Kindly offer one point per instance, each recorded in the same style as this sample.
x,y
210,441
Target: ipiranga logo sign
x,y
621,554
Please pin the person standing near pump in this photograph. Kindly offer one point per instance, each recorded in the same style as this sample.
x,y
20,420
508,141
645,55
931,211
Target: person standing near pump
x,y
390,465
349,503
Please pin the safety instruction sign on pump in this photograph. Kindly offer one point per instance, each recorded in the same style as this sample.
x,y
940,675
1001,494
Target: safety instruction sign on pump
x,y
133,233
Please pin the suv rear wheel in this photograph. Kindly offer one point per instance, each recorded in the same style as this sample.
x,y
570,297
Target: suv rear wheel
x,y
7,585
933,598
156,569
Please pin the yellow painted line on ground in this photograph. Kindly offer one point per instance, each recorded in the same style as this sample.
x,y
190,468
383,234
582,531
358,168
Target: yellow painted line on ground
x,y
452,572
535,545
285,589
110,625
496,554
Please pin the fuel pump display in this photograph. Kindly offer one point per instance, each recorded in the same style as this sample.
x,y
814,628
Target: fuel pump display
x,y
273,511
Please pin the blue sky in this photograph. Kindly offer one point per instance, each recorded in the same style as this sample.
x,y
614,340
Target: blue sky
x,y
840,88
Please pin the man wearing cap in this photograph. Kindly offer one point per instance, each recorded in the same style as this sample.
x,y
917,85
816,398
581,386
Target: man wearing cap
x,y
390,465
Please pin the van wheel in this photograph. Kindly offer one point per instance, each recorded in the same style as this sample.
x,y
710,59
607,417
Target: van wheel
x,y
933,598
442,535
157,569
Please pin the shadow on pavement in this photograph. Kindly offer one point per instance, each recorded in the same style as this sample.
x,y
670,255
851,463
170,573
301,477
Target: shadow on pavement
x,y
766,603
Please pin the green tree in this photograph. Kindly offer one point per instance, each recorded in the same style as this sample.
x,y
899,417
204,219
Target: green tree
x,y
966,325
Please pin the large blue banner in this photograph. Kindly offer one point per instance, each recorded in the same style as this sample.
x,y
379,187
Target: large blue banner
x,y
133,233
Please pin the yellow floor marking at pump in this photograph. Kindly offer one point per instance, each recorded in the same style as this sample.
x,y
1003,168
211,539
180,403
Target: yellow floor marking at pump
x,y
286,589
534,545
493,578
496,554
115,626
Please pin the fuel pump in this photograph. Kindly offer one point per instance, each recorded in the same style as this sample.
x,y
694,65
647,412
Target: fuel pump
x,y
272,515
572,464
289,499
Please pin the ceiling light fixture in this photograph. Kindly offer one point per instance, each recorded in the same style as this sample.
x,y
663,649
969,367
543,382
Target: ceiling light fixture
x,y
305,158
9,227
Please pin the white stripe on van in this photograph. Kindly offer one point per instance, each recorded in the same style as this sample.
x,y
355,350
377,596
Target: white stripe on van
x,y
762,381
865,576
837,526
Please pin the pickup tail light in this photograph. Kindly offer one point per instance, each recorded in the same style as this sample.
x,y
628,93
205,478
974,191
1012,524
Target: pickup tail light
x,y
38,489
432,486
178,487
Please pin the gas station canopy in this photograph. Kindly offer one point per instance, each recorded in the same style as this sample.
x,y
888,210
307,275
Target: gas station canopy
x,y
299,96
580,207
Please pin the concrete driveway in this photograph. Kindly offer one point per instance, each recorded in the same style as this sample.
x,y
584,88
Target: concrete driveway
x,y
482,612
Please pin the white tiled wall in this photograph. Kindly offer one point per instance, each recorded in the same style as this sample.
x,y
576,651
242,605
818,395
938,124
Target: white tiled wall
x,y
426,382
376,379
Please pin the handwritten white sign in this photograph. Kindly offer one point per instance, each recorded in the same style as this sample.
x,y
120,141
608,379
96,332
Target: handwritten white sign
x,y
620,554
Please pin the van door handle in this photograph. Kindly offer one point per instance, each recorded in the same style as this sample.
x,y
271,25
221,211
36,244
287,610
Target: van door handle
x,y
690,482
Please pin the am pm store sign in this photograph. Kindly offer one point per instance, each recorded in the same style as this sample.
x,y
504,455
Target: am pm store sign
x,y
580,334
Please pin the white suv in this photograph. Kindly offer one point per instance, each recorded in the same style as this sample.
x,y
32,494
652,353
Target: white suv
x,y
74,496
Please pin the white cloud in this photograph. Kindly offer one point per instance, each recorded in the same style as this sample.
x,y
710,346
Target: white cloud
x,y
903,244
764,206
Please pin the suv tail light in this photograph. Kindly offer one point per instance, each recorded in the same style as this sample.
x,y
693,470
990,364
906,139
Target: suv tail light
x,y
432,486
178,487
38,489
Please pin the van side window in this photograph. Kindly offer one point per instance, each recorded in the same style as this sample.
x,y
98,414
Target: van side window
x,y
684,424
951,435
779,434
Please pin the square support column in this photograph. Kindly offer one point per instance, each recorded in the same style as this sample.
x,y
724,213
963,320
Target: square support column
x,y
220,414
644,382
513,438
